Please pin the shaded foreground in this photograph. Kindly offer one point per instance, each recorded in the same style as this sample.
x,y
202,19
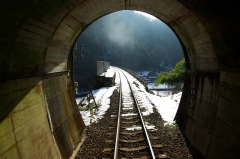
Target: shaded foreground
x,y
174,143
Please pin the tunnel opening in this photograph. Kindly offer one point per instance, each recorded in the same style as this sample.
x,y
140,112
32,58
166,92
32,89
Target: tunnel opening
x,y
136,41
36,42
127,43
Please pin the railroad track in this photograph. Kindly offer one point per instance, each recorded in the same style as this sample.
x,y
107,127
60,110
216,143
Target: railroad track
x,y
131,135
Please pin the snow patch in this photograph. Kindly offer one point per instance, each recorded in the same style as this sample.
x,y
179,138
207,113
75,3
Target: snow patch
x,y
102,98
165,102
166,105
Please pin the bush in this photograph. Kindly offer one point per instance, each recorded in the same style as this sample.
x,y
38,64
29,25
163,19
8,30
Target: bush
x,y
173,78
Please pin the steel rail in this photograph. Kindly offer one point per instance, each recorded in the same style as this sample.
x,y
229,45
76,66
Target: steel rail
x,y
119,120
143,125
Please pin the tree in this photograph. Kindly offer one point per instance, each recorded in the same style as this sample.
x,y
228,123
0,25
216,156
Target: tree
x,y
173,78
153,46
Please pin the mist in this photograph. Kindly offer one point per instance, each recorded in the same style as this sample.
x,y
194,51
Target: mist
x,y
128,39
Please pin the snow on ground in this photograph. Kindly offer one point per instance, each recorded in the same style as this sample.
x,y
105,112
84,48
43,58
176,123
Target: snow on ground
x,y
102,98
160,86
143,73
165,102
110,72
146,104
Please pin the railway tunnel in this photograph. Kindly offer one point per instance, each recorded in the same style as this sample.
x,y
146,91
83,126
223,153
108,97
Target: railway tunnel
x,y
38,112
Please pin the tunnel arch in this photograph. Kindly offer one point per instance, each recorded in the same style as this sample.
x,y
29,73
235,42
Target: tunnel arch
x,y
189,29
36,41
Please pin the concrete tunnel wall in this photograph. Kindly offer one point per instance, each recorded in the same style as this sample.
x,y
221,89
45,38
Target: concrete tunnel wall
x,y
36,91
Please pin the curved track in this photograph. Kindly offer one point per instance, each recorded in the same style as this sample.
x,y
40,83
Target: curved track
x,y
129,102
132,137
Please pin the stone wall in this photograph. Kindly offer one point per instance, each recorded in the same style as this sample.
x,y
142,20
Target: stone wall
x,y
25,129
208,113
40,119
36,38
66,123
225,134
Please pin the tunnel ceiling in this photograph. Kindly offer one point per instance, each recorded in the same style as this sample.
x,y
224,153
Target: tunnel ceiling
x,y
37,36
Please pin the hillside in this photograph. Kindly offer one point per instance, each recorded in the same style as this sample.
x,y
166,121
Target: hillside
x,y
127,39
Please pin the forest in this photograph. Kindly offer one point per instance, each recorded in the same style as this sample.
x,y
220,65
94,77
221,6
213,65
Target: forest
x,y
127,39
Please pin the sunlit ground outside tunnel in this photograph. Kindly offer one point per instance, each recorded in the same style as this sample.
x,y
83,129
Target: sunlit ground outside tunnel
x,y
165,102
133,40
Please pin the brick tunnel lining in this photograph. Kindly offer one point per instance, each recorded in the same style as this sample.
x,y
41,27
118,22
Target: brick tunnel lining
x,y
41,37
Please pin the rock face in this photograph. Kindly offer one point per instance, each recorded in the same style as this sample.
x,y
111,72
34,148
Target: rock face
x,y
36,44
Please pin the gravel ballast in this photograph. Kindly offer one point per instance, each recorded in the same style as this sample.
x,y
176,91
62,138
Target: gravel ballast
x,y
174,143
